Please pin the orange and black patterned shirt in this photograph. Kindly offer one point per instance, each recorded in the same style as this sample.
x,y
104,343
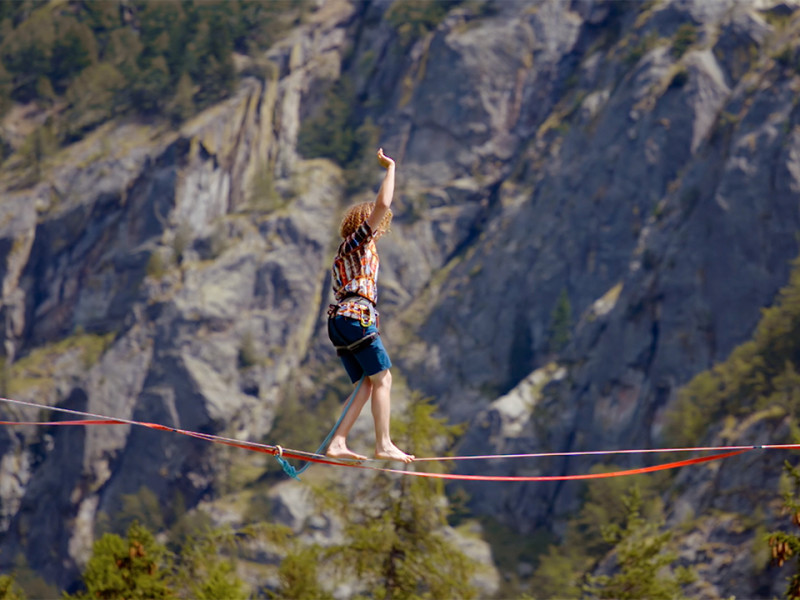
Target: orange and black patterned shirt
x,y
355,270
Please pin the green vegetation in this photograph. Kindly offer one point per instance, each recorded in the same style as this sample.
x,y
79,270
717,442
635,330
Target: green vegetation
x,y
207,567
264,196
393,543
136,568
339,131
24,582
758,374
142,508
39,367
339,128
97,60
784,545
9,590
623,513
414,18
139,567
156,265
685,38
299,576
641,46
642,557
292,426
248,353
41,143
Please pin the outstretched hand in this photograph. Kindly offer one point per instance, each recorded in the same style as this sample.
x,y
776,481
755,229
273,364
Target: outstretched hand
x,y
384,160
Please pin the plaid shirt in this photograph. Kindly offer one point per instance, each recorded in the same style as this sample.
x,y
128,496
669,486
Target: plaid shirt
x,y
355,271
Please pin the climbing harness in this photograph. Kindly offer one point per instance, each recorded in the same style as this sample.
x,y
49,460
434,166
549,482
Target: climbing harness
x,y
355,307
364,312
357,345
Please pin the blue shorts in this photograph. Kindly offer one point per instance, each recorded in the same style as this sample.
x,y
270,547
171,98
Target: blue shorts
x,y
370,359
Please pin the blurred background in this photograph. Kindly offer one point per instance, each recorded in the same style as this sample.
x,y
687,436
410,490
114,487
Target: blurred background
x,y
594,248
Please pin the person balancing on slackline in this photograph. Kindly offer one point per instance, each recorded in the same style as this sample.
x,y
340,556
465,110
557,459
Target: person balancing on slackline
x,y
353,320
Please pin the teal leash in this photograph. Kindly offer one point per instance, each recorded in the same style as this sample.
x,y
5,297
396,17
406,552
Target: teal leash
x,y
290,470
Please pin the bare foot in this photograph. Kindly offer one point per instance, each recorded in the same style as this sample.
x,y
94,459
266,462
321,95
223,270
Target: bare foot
x,y
342,451
392,452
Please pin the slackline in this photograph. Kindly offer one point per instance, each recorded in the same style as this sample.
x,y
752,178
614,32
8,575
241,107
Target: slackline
x,y
281,454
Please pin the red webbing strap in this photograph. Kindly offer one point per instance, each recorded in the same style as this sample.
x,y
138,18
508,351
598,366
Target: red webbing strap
x,y
460,477
81,422
253,446
274,450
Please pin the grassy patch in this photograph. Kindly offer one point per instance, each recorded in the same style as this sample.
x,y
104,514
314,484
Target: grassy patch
x,y
40,366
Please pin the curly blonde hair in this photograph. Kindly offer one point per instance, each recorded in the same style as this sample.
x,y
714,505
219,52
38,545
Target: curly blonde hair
x,y
359,213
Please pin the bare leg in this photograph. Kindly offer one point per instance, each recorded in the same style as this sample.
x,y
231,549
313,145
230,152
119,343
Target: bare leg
x,y
338,446
381,412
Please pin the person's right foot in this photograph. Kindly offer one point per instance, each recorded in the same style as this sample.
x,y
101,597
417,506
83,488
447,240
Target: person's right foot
x,y
343,452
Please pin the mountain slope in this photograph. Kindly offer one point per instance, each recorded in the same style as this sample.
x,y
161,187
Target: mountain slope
x,y
638,161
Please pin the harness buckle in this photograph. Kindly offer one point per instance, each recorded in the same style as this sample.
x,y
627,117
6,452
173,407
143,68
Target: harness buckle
x,y
366,317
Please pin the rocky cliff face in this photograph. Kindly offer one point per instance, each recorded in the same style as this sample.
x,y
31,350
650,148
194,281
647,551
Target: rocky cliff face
x,y
643,159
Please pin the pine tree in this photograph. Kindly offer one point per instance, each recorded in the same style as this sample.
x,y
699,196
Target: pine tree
x,y
563,568
641,556
393,533
299,577
206,567
9,590
37,147
132,568
784,545
92,98
181,107
27,52
74,49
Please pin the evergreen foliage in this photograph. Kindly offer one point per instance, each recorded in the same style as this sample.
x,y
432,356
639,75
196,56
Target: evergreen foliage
x,y
393,542
685,38
414,18
298,575
206,568
563,568
132,568
759,373
9,590
331,133
92,98
785,545
340,132
40,144
74,49
143,507
163,59
138,566
27,582
642,559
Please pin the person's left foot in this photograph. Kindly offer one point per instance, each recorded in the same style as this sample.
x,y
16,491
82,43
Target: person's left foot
x,y
392,452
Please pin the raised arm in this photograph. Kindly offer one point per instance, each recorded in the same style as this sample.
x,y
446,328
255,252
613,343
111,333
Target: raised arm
x,y
385,194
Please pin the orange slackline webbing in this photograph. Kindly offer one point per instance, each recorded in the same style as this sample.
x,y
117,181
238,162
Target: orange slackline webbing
x,y
310,457
460,477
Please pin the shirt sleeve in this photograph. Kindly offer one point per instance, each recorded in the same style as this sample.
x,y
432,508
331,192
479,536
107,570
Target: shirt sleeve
x,y
356,239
